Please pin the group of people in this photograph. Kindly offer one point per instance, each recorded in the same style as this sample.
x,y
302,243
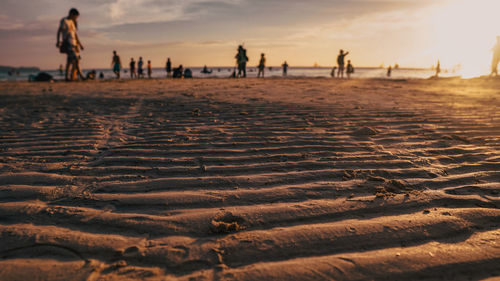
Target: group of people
x,y
135,72
242,59
69,44
341,67
138,72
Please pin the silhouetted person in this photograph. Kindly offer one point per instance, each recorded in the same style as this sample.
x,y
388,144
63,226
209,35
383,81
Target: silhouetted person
x,y
61,71
140,68
350,69
150,69
285,68
178,72
262,65
206,70
101,75
438,69
132,68
168,67
117,64
389,71
69,44
341,63
332,73
496,58
241,61
188,73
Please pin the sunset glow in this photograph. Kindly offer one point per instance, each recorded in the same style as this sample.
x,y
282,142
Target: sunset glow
x,y
459,33
464,33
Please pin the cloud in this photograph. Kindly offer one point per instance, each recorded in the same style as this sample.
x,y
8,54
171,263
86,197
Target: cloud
x,y
148,11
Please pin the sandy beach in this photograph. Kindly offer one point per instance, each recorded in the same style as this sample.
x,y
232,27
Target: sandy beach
x,y
247,179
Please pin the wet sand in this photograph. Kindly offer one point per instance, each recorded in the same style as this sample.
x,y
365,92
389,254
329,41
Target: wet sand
x,y
274,179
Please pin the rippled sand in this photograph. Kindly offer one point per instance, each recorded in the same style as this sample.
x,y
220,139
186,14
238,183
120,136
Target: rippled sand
x,y
276,179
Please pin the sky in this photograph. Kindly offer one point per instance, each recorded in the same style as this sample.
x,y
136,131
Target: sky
x,y
412,33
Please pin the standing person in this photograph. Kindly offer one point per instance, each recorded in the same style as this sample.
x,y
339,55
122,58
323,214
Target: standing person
x,y
496,58
350,69
438,69
117,64
241,61
140,70
262,65
341,63
168,67
389,71
285,68
132,68
150,69
70,44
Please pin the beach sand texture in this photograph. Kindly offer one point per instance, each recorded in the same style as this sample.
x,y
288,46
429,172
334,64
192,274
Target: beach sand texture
x,y
276,179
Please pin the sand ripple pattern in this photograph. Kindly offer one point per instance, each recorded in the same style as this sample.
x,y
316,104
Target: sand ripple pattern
x,y
271,180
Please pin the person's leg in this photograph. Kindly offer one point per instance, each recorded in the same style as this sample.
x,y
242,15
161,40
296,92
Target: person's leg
x,y
245,70
66,74
78,69
73,70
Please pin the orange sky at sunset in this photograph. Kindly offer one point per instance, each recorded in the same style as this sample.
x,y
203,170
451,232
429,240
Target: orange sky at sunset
x,y
412,33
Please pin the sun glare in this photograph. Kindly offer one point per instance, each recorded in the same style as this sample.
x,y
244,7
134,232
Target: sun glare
x,y
464,33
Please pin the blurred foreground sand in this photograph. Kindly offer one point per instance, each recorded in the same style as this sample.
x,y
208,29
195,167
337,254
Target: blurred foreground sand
x,y
275,179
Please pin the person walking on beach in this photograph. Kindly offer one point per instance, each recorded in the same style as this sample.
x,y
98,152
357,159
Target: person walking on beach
x,y
496,58
150,69
285,68
262,65
341,63
117,64
132,68
69,44
350,69
168,67
389,71
140,70
241,61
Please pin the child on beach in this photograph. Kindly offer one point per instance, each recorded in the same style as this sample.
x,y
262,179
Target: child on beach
x,y
117,64
262,65
332,73
350,69
150,69
70,44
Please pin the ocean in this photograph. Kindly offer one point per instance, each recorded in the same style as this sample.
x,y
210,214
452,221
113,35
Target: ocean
x,y
224,72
